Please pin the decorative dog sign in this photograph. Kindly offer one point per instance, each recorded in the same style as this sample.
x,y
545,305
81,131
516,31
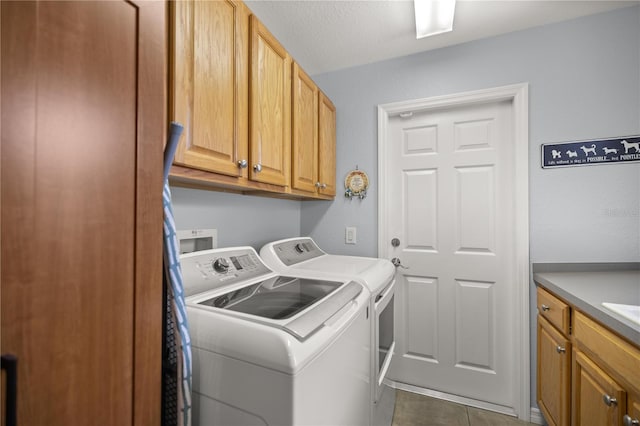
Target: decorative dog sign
x,y
600,151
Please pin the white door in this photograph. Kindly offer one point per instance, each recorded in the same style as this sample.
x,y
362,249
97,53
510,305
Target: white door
x,y
450,195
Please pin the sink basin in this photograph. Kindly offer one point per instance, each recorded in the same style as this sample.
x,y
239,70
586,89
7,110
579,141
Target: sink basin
x,y
630,312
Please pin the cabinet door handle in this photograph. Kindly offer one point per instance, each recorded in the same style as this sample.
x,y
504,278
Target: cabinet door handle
x,y
318,184
323,186
544,308
560,349
609,401
10,365
257,168
243,164
628,421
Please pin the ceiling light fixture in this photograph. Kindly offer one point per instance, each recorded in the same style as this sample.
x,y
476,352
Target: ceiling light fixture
x,y
433,17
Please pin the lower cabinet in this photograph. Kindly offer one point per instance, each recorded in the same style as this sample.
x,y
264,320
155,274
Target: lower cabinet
x,y
554,374
598,399
587,375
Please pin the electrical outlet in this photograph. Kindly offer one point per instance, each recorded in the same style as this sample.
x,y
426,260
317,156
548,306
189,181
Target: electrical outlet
x,y
350,235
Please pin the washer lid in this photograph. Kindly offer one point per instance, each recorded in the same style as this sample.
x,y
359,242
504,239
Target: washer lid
x,y
293,255
298,306
275,298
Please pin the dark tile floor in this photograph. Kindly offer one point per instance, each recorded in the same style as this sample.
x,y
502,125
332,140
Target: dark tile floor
x,y
418,410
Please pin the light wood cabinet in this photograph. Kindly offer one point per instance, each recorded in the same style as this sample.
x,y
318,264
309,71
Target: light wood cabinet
x,y
209,84
326,146
605,369
554,359
304,140
231,86
83,120
553,374
616,374
632,418
313,137
599,400
270,107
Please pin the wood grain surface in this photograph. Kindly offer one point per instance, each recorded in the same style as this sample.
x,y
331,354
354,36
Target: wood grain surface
x,y
304,136
326,145
81,211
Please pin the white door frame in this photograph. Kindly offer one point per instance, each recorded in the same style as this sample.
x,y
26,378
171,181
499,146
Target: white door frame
x,y
519,95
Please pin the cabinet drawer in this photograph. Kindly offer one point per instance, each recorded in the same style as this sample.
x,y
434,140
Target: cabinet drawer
x,y
554,310
612,351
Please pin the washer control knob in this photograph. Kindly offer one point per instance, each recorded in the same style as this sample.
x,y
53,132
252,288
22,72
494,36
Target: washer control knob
x,y
221,265
299,248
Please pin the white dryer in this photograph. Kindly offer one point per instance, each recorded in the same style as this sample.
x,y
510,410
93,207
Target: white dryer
x,y
270,349
303,256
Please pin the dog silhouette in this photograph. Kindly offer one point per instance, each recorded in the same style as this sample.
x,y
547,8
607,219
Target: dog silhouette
x,y
556,154
572,154
629,145
609,150
588,150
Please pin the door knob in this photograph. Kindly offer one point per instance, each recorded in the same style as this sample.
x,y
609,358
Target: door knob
x,y
398,263
395,242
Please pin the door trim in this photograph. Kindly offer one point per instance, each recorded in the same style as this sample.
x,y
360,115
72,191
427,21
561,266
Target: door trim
x,y
519,95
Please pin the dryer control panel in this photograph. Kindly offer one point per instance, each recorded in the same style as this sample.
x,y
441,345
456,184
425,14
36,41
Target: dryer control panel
x,y
209,269
297,250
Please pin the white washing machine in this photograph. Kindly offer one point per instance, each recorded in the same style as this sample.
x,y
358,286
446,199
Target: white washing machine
x,y
303,256
270,349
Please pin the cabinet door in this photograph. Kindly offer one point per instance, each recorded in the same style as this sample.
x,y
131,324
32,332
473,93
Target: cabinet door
x,y
327,146
270,108
304,139
554,372
83,95
598,399
632,418
209,85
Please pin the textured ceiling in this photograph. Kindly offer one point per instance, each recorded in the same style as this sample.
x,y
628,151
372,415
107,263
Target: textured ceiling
x,y
329,35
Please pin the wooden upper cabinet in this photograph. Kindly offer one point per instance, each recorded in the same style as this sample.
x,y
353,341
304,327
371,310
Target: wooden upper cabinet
x,y
304,139
633,411
326,146
270,107
313,145
209,85
253,121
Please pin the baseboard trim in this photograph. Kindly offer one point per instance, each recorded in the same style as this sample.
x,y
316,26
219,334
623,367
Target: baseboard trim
x,y
453,398
536,416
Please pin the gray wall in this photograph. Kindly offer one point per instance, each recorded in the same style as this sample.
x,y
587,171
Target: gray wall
x,y
584,82
241,220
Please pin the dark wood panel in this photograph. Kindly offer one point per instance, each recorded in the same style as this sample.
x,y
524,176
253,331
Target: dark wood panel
x,y
152,113
77,155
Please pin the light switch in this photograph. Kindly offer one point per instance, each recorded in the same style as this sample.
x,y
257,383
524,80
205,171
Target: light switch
x,y
350,235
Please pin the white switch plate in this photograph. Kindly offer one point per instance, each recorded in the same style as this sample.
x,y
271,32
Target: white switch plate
x,y
350,235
